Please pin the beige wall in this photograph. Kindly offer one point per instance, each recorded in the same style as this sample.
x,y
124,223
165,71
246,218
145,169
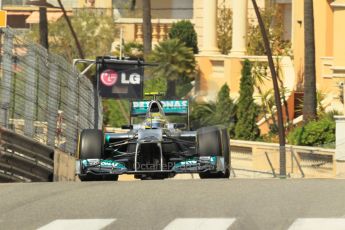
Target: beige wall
x,y
329,46
98,3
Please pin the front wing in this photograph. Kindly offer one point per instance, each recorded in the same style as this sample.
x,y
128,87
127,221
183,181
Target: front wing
x,y
189,165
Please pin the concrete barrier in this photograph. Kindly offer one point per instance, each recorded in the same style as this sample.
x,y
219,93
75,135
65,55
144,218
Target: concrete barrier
x,y
64,166
258,158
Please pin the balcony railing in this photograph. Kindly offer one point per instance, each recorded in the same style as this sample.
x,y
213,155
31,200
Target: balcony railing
x,y
13,2
67,4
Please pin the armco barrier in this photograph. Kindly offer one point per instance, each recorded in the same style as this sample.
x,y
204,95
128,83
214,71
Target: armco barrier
x,y
23,159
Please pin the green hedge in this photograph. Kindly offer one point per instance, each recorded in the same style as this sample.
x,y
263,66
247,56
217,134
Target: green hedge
x,y
314,133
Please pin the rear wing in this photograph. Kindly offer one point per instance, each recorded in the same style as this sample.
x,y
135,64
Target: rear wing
x,y
170,107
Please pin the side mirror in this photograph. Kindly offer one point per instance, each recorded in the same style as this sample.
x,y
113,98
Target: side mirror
x,y
127,127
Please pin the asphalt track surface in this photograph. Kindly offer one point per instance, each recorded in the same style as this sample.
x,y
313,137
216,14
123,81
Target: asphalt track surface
x,y
175,204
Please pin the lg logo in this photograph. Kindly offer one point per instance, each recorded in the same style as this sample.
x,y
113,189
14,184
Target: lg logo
x,y
133,79
109,77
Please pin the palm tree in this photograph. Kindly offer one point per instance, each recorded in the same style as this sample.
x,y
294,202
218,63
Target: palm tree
x,y
267,105
203,114
147,26
174,60
309,102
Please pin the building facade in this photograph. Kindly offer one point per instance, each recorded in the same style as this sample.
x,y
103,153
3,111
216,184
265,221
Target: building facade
x,y
216,69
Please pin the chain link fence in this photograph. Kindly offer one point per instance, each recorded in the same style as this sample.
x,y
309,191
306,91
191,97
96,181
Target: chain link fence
x,y
41,95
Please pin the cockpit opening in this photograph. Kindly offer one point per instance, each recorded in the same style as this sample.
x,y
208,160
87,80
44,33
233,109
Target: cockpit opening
x,y
154,108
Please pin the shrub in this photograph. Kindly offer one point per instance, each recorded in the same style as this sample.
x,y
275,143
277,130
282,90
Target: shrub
x,y
247,111
223,112
184,31
314,133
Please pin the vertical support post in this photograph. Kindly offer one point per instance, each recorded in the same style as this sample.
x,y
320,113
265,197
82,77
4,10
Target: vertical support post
x,y
209,43
188,118
339,157
42,95
71,128
100,112
82,108
281,129
96,95
6,81
271,165
239,25
297,162
54,88
30,92
91,110
78,115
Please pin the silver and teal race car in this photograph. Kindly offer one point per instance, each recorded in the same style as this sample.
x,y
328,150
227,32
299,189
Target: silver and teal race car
x,y
154,148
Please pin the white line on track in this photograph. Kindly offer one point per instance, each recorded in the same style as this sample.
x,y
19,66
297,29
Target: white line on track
x,y
78,224
200,223
318,224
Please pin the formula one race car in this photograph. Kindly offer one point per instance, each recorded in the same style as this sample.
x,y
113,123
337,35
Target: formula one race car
x,y
155,148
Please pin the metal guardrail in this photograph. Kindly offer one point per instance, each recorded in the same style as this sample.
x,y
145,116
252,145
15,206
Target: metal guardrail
x,y
23,159
258,158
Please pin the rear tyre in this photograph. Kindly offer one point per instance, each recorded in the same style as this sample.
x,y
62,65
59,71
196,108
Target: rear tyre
x,y
214,141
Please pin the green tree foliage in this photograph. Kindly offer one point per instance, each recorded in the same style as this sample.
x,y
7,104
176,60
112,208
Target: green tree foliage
x,y
132,50
274,23
223,112
224,29
202,114
184,31
247,111
224,106
95,33
155,84
314,133
115,112
175,61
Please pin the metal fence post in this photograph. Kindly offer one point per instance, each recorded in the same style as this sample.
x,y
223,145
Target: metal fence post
x,y
83,101
42,92
92,107
6,81
71,128
100,113
30,92
54,88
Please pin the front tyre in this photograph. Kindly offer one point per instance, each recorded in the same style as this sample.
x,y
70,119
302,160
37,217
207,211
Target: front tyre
x,y
217,175
98,177
91,144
